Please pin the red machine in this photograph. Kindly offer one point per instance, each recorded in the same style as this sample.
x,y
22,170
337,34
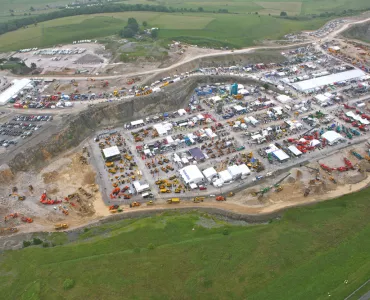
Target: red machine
x,y
45,200
348,163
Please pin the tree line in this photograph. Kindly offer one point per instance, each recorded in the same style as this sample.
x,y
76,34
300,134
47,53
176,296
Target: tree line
x,y
85,10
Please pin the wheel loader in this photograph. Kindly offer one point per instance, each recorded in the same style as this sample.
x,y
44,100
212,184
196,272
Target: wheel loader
x,y
60,226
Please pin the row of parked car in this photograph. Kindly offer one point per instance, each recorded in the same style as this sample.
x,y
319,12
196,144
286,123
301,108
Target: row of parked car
x,y
33,118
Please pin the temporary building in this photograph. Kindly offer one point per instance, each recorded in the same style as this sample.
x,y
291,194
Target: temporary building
x,y
139,188
191,174
218,183
181,112
111,153
283,98
137,123
169,139
225,176
280,155
234,171
294,150
210,133
332,137
209,173
215,99
314,143
13,90
321,98
163,128
311,84
196,153
245,170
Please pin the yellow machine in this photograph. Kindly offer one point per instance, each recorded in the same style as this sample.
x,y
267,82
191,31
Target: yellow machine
x,y
112,170
60,226
173,200
198,199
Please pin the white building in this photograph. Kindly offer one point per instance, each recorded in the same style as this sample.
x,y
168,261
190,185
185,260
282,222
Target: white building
x,y
111,153
312,84
209,173
17,86
191,174
332,137
235,171
225,176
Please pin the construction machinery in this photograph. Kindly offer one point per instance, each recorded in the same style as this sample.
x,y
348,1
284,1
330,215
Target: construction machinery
x,y
26,219
112,170
281,180
173,200
149,203
8,230
357,155
60,226
279,189
220,198
45,200
231,194
135,204
331,178
113,207
198,199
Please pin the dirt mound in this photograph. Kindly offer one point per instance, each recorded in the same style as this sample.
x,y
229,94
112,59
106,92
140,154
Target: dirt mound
x,y
6,175
359,32
50,177
89,59
365,165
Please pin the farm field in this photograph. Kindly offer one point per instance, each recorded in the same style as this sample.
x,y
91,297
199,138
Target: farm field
x,y
310,253
264,7
202,29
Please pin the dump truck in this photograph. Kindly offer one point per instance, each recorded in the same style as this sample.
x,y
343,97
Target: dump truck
x,y
198,199
173,200
60,226
109,164
112,170
163,191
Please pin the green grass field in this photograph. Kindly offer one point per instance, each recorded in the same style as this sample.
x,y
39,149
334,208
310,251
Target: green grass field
x,y
308,254
201,29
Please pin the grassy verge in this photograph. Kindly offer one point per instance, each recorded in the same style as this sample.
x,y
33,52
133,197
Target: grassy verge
x,y
312,252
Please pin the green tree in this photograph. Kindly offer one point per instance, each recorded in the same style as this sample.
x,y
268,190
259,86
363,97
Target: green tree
x,y
33,66
32,9
127,32
200,9
283,14
145,24
154,33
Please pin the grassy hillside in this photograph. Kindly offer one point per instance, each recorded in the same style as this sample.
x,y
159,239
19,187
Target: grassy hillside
x,y
201,29
310,253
